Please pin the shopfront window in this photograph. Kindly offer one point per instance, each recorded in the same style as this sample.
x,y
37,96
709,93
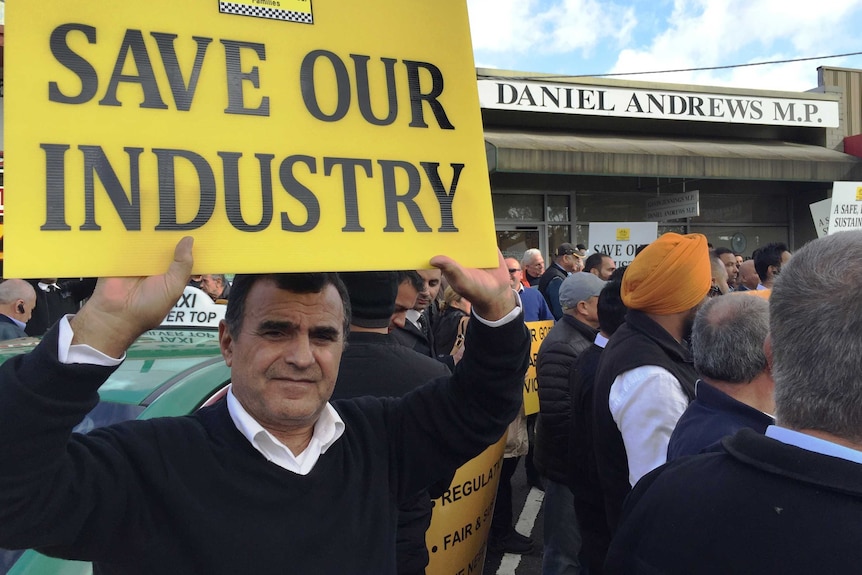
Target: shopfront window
x,y
525,221
737,221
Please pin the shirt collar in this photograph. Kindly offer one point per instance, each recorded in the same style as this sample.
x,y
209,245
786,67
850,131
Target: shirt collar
x,y
600,340
811,443
47,287
328,429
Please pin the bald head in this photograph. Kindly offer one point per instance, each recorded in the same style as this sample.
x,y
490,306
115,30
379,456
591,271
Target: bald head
x,y
747,274
17,299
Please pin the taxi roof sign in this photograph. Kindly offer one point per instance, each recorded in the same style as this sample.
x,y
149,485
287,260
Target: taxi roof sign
x,y
280,144
194,309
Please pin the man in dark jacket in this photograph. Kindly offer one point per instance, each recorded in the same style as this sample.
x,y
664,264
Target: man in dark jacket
x,y
567,259
735,388
374,364
646,377
788,502
571,335
56,298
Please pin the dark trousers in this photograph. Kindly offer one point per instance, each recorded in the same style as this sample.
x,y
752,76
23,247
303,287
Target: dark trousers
x,y
501,524
533,475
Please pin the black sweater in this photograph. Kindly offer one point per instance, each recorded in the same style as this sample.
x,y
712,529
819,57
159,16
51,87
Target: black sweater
x,y
191,495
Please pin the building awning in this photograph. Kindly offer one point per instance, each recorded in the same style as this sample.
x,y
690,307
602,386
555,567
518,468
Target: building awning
x,y
601,154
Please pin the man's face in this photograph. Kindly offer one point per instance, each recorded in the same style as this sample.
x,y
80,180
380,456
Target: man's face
x,y
284,360
572,263
748,275
432,287
515,273
536,267
720,279
607,269
404,300
211,285
592,311
730,263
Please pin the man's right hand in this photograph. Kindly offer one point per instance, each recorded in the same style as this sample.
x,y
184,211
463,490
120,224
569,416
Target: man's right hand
x,y
121,309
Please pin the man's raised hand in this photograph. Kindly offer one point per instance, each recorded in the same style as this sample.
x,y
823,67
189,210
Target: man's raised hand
x,y
121,309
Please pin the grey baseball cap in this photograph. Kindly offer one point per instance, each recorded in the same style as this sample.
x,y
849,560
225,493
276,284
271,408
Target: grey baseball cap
x,y
579,286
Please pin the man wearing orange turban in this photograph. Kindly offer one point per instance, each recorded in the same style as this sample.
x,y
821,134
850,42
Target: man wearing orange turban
x,y
645,378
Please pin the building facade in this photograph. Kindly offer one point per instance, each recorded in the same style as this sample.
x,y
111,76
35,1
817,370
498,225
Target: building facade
x,y
565,152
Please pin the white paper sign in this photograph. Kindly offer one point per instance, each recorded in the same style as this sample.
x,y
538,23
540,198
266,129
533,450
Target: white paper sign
x,y
820,215
620,240
846,211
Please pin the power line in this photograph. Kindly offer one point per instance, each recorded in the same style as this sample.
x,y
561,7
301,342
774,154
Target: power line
x,y
702,69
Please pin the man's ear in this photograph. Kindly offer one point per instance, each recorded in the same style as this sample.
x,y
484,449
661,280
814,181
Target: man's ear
x,y
767,351
225,341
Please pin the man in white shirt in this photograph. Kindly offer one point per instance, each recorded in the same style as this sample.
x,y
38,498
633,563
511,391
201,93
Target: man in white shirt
x,y
646,377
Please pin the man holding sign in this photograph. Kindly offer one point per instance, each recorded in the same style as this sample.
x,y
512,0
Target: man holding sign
x,y
272,478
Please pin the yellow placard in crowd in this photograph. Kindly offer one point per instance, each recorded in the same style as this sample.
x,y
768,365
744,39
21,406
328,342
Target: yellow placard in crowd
x,y
461,519
538,331
283,135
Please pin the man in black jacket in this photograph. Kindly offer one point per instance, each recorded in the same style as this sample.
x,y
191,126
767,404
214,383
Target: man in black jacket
x,y
788,502
570,336
272,477
374,364
567,259
56,298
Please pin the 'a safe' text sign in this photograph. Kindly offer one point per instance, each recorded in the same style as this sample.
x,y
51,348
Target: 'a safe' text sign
x,y
283,136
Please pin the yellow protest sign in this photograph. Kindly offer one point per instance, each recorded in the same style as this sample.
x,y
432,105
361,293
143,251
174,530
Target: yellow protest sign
x,y
538,331
461,518
271,131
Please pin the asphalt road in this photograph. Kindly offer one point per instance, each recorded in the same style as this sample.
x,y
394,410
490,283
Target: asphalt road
x,y
527,508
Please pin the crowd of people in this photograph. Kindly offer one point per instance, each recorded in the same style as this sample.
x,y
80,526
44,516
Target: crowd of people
x,y
692,419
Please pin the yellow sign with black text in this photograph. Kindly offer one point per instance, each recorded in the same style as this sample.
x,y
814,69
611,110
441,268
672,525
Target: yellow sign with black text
x,y
461,519
538,331
282,136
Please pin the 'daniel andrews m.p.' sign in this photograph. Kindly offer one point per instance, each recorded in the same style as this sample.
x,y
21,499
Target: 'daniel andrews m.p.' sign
x,y
582,99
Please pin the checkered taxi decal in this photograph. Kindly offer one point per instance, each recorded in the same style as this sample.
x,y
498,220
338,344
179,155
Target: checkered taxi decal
x,y
265,11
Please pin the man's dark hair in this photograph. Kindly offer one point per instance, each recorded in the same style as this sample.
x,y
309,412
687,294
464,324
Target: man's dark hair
x,y
417,281
595,261
611,309
768,255
721,250
297,283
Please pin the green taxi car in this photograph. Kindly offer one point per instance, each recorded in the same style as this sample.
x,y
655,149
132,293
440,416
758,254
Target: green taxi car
x,y
173,370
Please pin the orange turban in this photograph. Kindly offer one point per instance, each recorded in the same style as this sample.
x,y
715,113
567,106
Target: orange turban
x,y
670,275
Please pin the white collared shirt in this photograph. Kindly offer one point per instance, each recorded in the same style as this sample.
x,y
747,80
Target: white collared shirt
x,y
328,428
600,340
413,317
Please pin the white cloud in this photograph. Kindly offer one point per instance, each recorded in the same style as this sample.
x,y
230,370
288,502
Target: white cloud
x,y
704,33
518,26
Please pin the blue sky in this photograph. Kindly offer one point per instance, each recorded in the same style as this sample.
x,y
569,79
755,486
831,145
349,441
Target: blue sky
x,y
602,36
